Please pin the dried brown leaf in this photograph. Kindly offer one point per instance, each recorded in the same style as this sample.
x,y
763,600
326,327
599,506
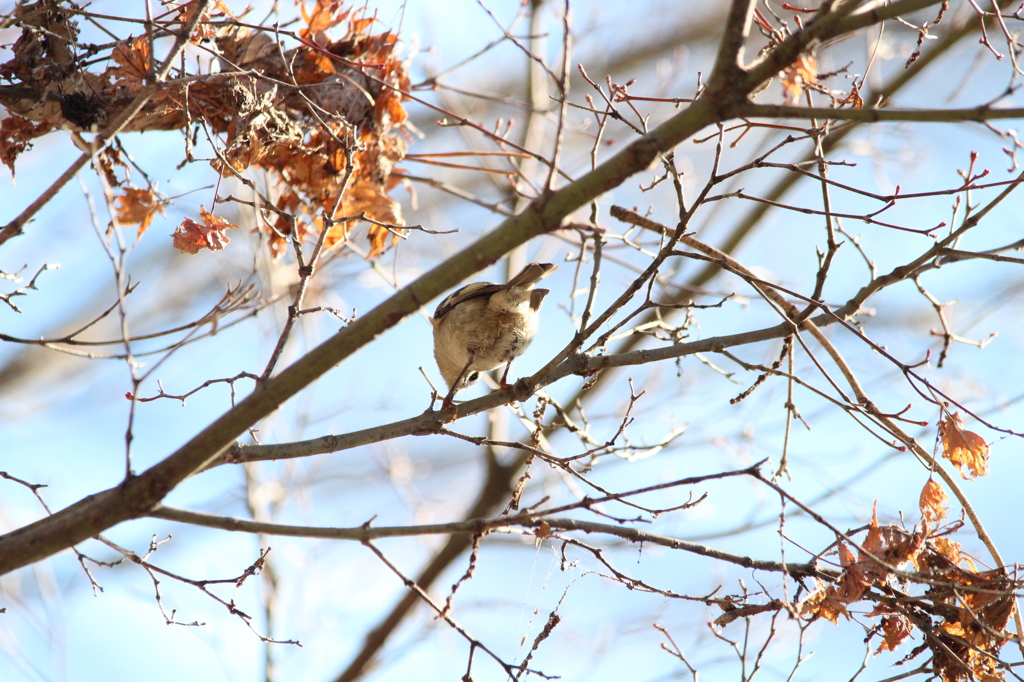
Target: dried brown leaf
x,y
798,75
846,556
242,47
137,207
203,31
873,542
367,199
191,237
895,630
933,503
824,602
326,14
902,546
135,60
963,448
810,607
16,134
832,607
991,607
853,98
951,550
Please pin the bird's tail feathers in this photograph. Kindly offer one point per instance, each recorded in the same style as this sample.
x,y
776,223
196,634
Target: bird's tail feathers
x,y
532,273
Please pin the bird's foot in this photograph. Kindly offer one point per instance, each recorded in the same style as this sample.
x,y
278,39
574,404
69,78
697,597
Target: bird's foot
x,y
449,404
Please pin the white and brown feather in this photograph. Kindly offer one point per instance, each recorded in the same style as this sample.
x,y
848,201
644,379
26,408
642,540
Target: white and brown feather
x,y
483,325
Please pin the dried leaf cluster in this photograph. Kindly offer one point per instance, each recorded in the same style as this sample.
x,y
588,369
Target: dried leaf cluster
x,y
320,118
920,582
966,449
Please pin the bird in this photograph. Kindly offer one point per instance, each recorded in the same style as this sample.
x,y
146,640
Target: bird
x,y
482,325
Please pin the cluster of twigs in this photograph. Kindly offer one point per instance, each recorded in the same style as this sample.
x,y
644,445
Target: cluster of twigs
x,y
320,112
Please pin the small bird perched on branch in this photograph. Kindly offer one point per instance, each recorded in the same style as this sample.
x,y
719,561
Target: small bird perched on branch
x,y
482,325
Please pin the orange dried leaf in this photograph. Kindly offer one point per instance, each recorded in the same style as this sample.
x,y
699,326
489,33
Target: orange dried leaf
x,y
846,557
933,502
810,606
832,607
895,630
325,14
15,135
134,60
882,610
853,98
378,237
963,448
873,542
824,602
852,585
137,207
365,198
800,74
190,236
315,68
360,25
877,551
980,659
904,547
951,550
243,47
187,12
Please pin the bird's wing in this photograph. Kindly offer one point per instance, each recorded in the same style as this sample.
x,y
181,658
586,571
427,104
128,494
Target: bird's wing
x,y
474,290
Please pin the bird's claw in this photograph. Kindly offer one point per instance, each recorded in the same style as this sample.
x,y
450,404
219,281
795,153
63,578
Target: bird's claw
x,y
449,404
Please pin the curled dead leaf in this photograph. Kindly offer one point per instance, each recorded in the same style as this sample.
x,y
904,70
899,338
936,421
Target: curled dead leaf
x,y
846,557
798,75
966,449
951,550
191,237
895,629
134,62
203,30
241,47
873,549
16,134
324,15
853,98
933,503
365,198
137,207
824,602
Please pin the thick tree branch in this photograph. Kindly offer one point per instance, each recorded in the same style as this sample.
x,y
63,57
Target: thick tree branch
x,y
870,115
